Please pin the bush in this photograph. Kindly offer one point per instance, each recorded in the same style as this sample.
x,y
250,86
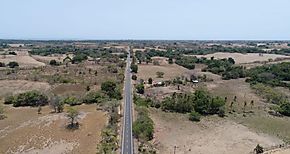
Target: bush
x,y
79,58
53,62
259,149
194,116
2,64
159,74
134,77
2,116
140,88
13,64
31,98
150,80
285,108
93,97
12,53
72,101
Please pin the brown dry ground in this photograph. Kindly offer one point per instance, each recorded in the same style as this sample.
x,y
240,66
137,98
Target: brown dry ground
x,y
237,133
212,135
23,58
9,87
47,59
25,131
145,71
244,58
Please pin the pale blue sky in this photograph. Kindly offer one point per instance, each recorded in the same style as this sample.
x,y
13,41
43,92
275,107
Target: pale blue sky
x,y
145,19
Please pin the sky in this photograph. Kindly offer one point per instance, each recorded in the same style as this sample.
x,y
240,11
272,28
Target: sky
x,y
145,19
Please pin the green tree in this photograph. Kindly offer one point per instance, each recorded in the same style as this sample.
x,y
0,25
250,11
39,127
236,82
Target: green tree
x,y
140,88
134,68
150,80
170,61
53,62
13,64
72,114
111,89
134,77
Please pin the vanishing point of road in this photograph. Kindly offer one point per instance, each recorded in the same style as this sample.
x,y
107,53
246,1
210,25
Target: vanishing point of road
x,y
127,139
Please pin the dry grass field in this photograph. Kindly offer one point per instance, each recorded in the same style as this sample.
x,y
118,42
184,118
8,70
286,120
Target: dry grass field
x,y
9,87
244,58
145,71
210,135
23,58
25,131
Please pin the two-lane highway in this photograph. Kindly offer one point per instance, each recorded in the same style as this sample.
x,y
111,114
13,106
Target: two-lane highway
x,y
127,139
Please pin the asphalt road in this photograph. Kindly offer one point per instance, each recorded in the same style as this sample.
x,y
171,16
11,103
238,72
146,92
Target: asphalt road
x,y
127,139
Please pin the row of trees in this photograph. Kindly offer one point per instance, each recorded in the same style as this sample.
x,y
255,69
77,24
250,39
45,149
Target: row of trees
x,y
201,101
12,64
109,90
273,75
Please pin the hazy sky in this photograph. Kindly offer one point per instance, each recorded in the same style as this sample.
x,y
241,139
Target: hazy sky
x,y
145,19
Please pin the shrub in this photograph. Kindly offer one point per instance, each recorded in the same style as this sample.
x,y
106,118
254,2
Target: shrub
x,y
2,116
93,97
134,77
79,58
170,61
12,53
155,62
53,62
194,116
140,88
31,98
259,149
159,74
13,64
285,108
2,64
72,101
150,80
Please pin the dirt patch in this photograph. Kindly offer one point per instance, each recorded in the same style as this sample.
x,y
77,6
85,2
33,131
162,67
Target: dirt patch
x,y
244,58
23,59
69,89
18,86
145,71
211,135
25,131
47,59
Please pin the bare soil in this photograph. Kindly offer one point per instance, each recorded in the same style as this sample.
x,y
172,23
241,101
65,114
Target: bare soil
x,y
212,135
171,71
23,59
25,131
244,58
9,87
